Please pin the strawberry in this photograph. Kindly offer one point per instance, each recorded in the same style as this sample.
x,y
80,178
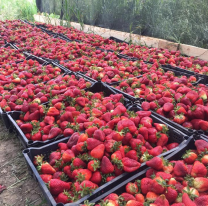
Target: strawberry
x,y
158,185
98,151
156,151
92,143
54,132
155,163
171,195
193,96
96,178
99,135
163,139
26,128
201,145
106,166
187,201
82,174
161,127
189,157
133,203
203,125
93,165
46,168
57,186
161,200
201,201
46,178
201,184
132,188
68,155
78,163
198,170
180,169
204,159
126,196
151,196
64,197
130,165
167,107
180,119
145,106
86,187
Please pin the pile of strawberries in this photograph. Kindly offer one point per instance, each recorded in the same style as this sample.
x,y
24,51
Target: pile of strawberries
x,y
176,183
54,93
104,151
13,99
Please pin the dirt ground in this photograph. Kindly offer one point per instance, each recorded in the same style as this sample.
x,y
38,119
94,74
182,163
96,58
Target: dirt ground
x,y
22,189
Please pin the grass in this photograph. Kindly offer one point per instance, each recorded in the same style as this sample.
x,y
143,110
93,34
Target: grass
x,y
17,9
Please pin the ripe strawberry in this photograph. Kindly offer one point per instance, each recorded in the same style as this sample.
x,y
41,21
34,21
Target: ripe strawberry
x,y
180,119
86,187
98,151
96,178
187,201
180,169
106,166
64,197
201,184
57,186
132,188
189,157
155,163
167,107
145,106
161,200
171,195
93,165
146,185
92,143
201,145
204,159
46,168
46,178
68,155
133,203
126,196
99,135
151,196
82,174
201,201
198,170
54,132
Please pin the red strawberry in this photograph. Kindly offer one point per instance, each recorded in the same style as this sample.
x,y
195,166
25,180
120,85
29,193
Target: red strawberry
x,y
204,159
132,188
189,157
57,186
203,125
46,168
130,165
26,128
201,201
46,178
163,139
161,200
145,106
201,184
54,132
133,203
180,119
64,197
187,201
92,143
68,155
155,163
126,196
156,151
171,195
193,96
198,170
158,185
98,151
201,145
96,178
93,165
87,187
180,169
106,166
167,107
99,135
146,185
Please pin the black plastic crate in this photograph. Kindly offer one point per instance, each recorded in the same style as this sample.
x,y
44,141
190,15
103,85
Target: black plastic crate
x,y
117,40
13,116
176,155
30,153
204,78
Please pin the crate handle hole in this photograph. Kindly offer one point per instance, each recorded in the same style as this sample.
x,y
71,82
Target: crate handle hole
x,y
30,142
25,151
60,204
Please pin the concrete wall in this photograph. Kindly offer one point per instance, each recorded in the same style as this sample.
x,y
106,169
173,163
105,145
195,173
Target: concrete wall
x,y
138,39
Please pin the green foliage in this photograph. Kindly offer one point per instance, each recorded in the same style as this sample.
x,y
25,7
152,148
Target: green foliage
x,y
17,9
183,21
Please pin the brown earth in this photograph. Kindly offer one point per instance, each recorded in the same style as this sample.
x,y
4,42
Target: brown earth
x,y
22,189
